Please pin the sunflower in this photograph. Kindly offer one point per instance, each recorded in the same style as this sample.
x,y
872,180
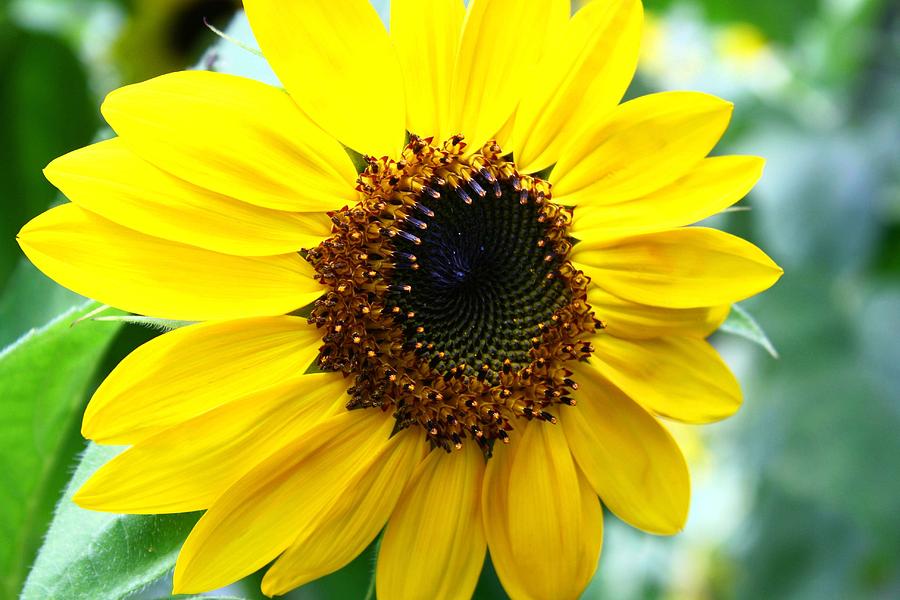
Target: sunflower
x,y
443,290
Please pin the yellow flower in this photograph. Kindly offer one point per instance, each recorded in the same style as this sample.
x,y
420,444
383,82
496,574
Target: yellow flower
x,y
497,308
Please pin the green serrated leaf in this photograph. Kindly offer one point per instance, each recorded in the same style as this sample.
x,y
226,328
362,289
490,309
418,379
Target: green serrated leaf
x,y
44,379
740,322
91,555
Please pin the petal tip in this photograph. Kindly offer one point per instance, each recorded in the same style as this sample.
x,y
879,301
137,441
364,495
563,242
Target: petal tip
x,y
94,429
25,240
181,583
269,587
49,171
25,231
666,528
714,105
109,102
89,421
80,498
90,498
755,165
776,272
88,432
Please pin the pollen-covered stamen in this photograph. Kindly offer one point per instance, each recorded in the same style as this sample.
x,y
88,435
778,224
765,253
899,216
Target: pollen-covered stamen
x,y
451,301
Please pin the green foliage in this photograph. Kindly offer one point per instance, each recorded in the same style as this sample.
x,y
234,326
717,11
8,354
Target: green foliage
x,y
48,111
779,20
91,555
821,440
740,322
44,378
30,300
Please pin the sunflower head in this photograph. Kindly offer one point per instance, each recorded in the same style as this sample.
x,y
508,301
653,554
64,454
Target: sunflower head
x,y
451,301
368,332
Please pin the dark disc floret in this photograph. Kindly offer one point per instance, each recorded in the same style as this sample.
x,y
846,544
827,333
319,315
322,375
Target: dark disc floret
x,y
451,300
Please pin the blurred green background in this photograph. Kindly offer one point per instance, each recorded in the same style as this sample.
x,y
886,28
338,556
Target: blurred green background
x,y
797,496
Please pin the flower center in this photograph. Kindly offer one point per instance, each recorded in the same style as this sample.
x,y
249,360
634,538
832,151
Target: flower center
x,y
451,300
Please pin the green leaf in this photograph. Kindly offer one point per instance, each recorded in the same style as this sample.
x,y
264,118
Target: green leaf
x,y
740,322
103,555
43,121
30,300
44,379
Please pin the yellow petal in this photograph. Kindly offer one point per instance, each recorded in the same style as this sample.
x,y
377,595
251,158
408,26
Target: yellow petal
x,y
191,370
713,185
110,180
630,459
426,36
501,40
187,466
344,530
150,276
639,321
494,507
542,518
337,62
644,145
582,77
261,515
504,136
434,543
682,378
679,268
592,536
235,136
